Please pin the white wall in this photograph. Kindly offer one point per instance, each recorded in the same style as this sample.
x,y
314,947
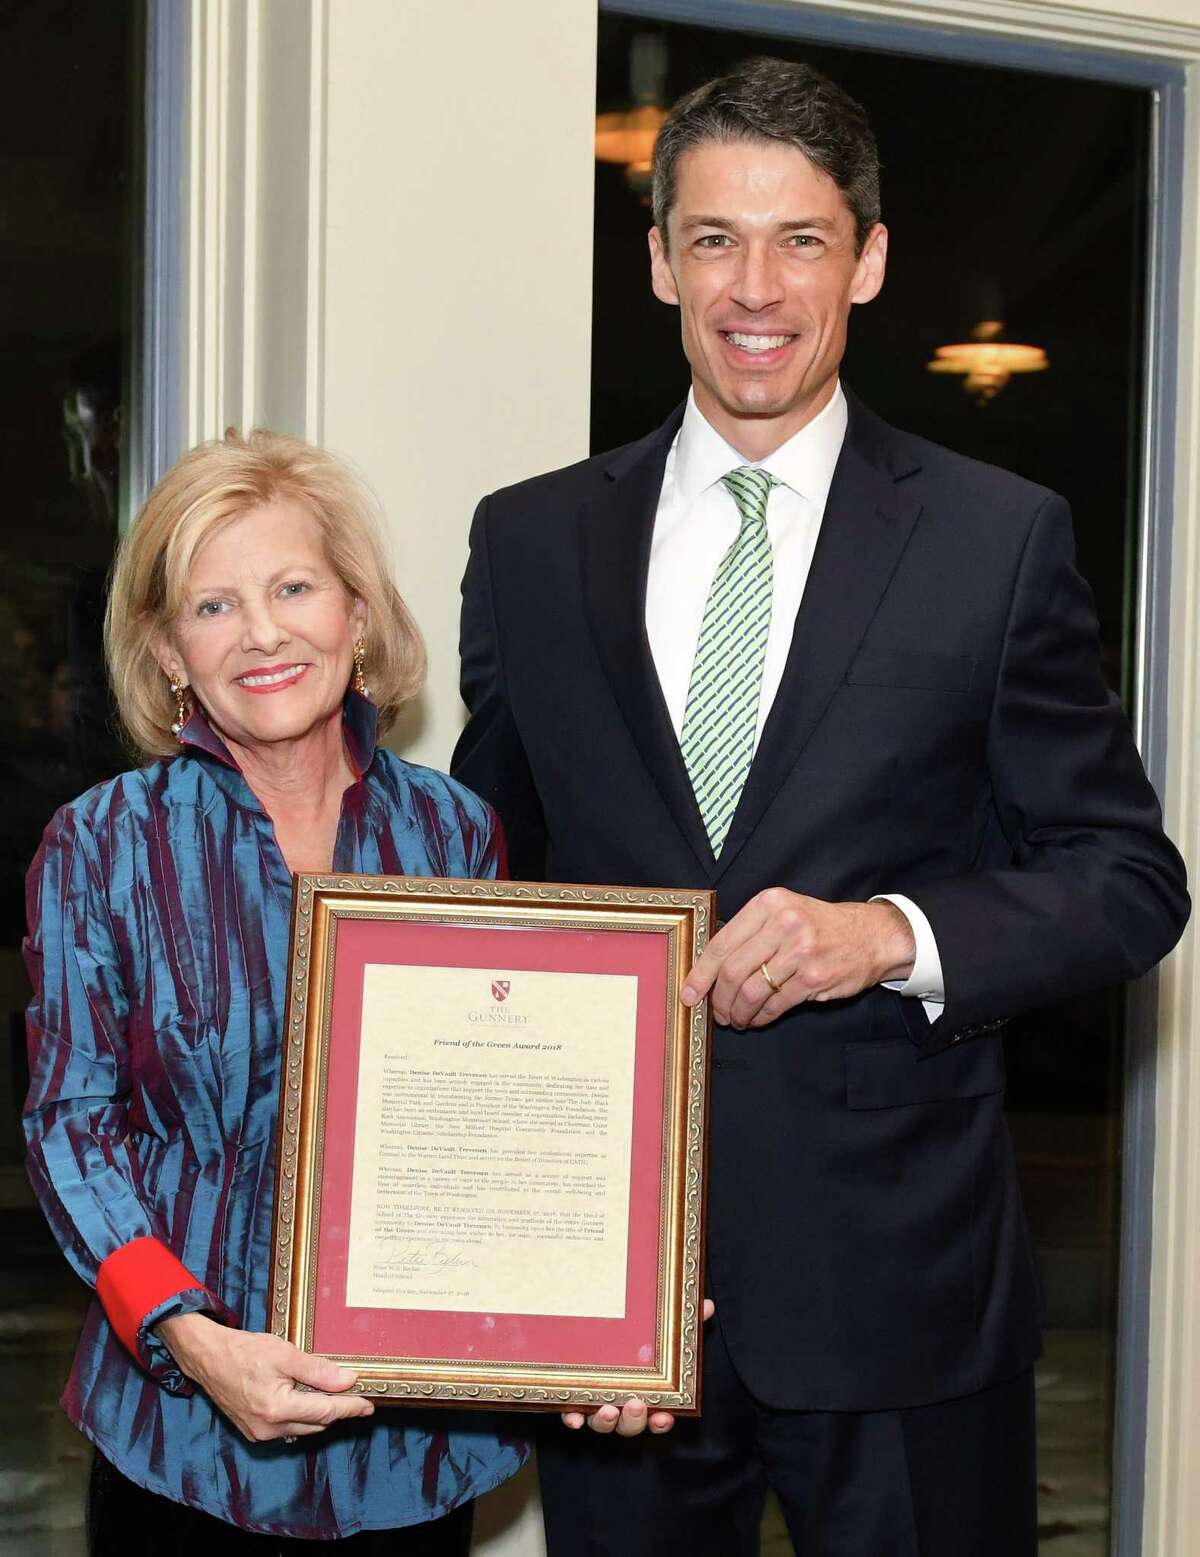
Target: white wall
x,y
457,278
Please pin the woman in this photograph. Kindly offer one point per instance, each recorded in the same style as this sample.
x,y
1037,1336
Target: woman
x,y
250,606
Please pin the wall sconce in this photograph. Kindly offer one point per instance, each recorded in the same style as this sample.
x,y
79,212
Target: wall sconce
x,y
986,362
628,135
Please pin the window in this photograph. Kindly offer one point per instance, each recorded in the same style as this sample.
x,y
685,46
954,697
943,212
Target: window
x,y
69,247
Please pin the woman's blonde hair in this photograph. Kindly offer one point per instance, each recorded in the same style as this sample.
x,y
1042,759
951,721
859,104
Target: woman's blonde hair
x,y
214,484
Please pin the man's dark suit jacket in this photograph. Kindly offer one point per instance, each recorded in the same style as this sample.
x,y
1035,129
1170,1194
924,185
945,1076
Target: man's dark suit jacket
x,y
942,730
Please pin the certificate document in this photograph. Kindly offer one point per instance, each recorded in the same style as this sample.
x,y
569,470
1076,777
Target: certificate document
x,y
492,1151
493,1123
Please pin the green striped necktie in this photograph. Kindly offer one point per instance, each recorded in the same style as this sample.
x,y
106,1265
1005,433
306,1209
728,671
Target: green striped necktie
x,y
721,717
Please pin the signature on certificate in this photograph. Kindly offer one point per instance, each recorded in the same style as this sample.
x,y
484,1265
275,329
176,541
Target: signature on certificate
x,y
423,1256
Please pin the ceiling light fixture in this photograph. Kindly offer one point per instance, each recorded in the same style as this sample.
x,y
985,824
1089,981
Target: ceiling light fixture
x,y
987,362
628,135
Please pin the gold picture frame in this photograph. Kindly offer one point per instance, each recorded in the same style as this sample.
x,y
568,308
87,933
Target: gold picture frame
x,y
470,1356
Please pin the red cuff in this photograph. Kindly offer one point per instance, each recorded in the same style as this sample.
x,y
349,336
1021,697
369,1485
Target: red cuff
x,y
134,1280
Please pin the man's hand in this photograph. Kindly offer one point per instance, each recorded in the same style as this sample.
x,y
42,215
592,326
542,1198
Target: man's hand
x,y
633,1417
811,950
252,1379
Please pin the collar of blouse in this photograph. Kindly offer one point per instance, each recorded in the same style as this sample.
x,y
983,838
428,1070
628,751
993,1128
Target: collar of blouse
x,y
360,726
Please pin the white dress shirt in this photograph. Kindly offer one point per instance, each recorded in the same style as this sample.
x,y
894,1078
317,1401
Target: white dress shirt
x,y
696,523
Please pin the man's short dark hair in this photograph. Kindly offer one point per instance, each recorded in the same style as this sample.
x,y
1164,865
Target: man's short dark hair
x,y
775,100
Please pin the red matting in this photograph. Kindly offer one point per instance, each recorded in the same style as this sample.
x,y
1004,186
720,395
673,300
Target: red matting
x,y
517,1338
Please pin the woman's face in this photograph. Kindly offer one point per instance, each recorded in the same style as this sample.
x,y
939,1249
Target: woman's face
x,y
266,635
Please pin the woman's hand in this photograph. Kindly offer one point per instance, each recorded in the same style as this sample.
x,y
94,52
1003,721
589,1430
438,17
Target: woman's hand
x,y
633,1417
252,1379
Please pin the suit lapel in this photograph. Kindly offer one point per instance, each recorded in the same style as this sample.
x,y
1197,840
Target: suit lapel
x,y
868,519
616,530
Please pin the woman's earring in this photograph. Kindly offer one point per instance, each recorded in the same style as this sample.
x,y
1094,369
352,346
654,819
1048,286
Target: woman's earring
x,y
179,693
360,659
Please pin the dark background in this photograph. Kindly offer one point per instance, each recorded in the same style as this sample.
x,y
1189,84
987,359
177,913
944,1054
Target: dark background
x,y
71,85
68,196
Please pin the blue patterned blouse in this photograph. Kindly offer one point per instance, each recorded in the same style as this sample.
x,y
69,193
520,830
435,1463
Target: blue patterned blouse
x,y
159,910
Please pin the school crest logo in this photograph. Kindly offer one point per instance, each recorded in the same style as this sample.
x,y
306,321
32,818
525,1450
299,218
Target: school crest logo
x,y
500,989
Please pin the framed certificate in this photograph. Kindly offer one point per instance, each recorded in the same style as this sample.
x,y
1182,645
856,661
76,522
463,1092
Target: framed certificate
x,y
492,1127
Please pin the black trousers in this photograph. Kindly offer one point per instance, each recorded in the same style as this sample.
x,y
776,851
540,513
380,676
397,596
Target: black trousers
x,y
124,1520
956,1479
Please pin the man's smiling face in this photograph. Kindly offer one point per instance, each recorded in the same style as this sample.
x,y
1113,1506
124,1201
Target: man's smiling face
x,y
761,263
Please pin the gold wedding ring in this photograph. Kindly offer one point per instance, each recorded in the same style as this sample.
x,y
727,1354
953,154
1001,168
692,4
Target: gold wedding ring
x,y
769,979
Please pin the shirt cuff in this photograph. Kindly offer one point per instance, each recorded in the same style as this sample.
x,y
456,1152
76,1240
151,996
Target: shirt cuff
x,y
925,982
141,1284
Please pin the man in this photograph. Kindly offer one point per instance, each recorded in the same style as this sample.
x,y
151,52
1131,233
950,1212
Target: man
x,y
781,649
